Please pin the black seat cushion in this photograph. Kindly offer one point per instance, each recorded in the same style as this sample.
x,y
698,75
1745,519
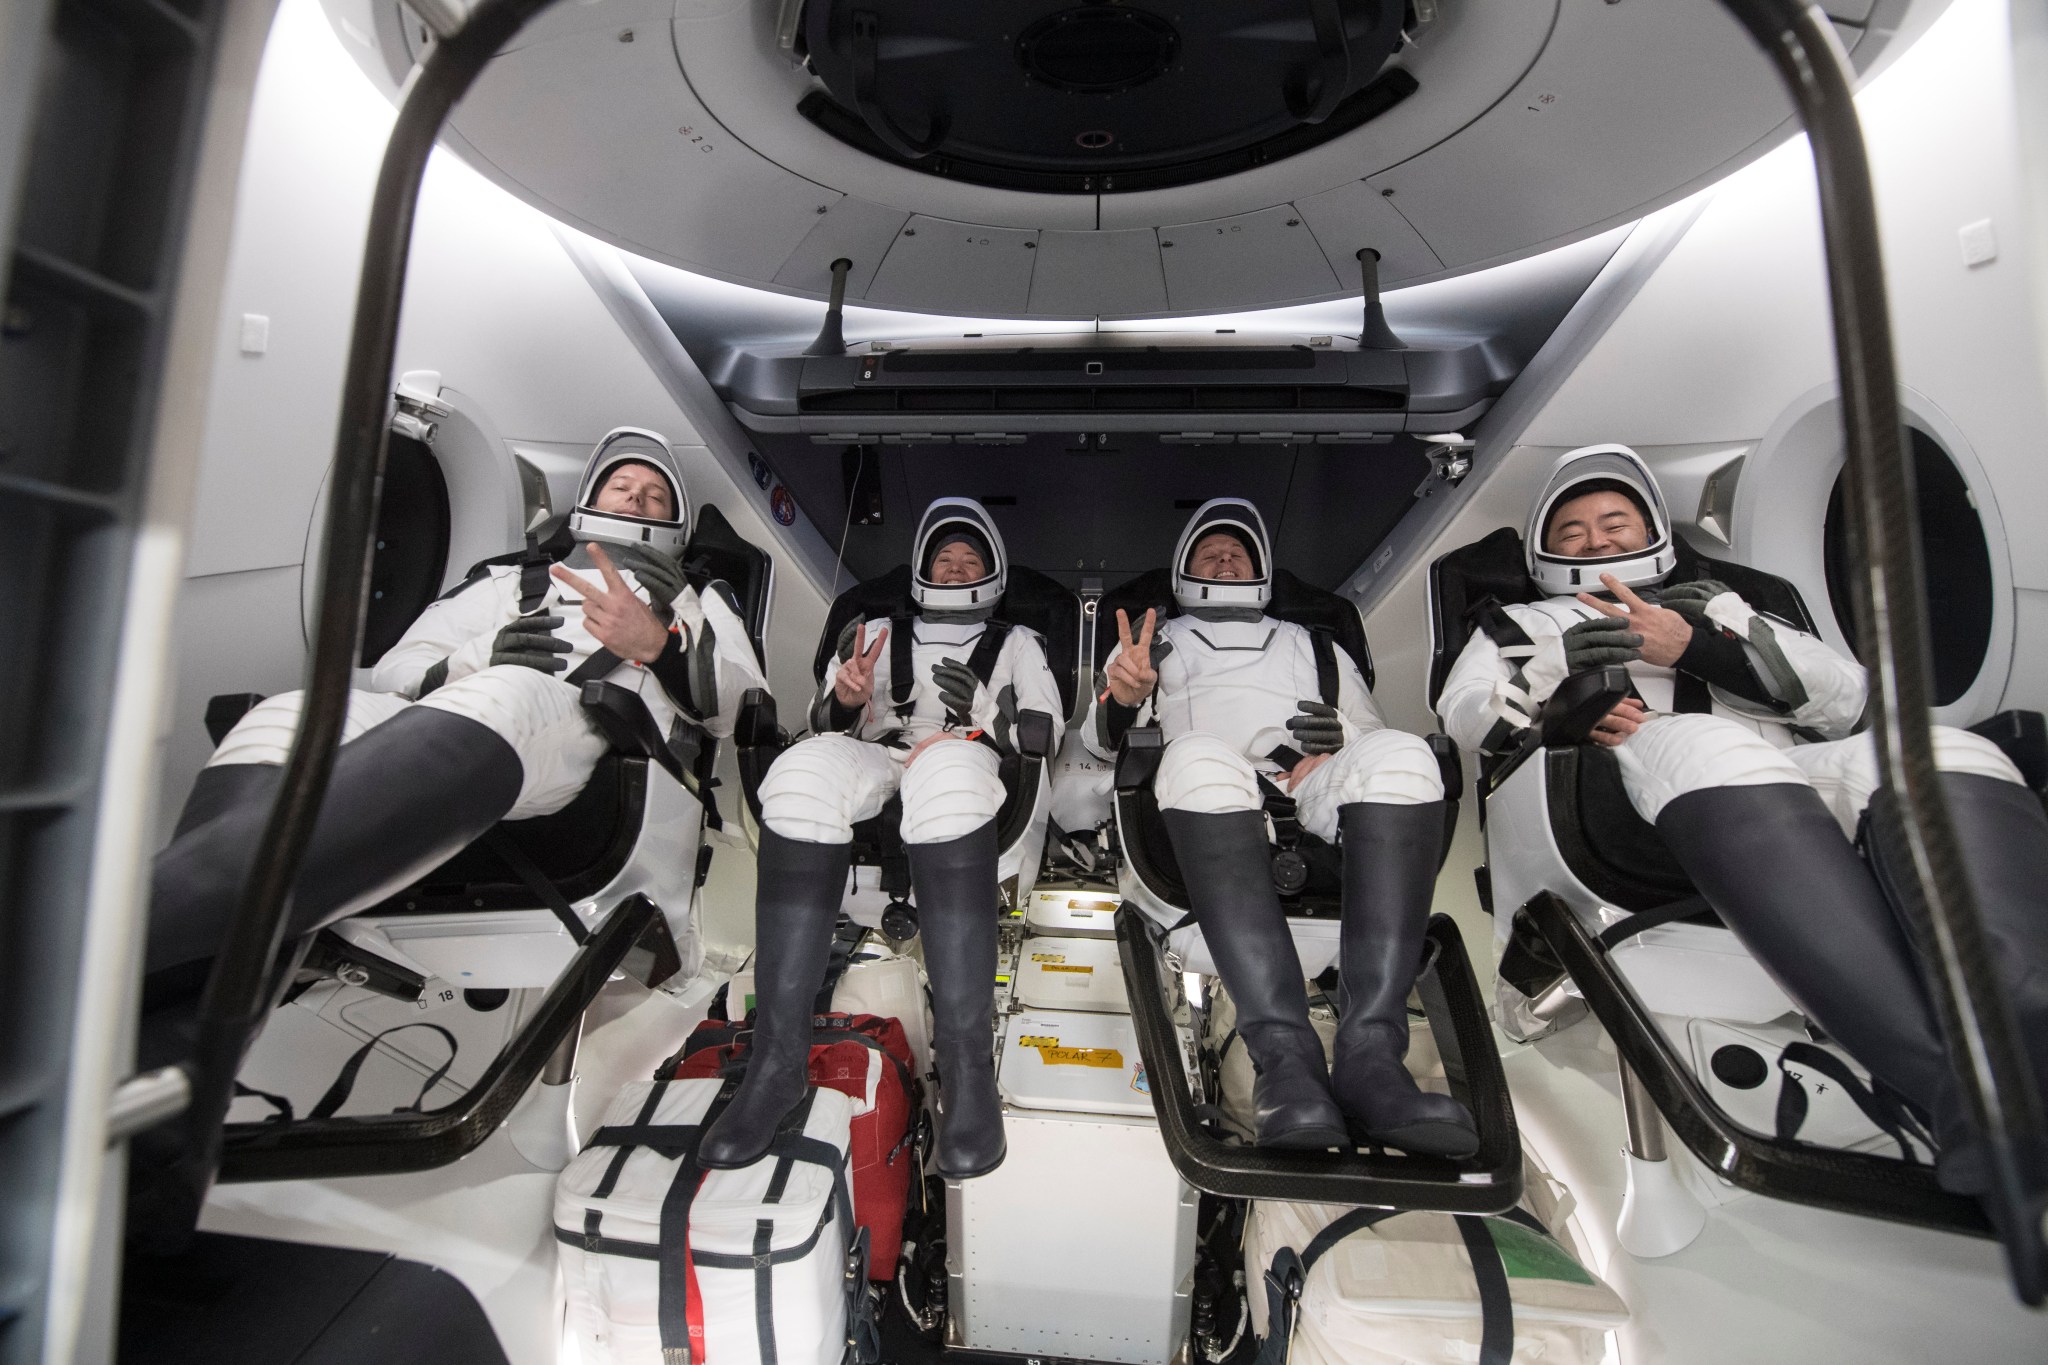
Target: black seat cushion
x,y
1293,600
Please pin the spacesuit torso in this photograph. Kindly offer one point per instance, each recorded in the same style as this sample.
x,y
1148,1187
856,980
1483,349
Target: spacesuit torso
x,y
1240,681
461,628
1020,667
1482,690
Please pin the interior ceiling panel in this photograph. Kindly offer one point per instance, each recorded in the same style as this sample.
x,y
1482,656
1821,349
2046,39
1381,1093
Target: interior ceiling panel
x,y
1519,126
1081,509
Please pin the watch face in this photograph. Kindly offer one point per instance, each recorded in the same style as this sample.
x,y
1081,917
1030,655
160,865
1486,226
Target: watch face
x,y
782,505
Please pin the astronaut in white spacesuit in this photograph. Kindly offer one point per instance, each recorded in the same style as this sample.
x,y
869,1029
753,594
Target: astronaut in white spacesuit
x,y
1238,695
919,705
477,716
1740,747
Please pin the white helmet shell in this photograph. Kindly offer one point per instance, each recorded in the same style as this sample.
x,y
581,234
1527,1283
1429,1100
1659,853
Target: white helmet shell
x,y
1563,575
945,517
631,445
1239,517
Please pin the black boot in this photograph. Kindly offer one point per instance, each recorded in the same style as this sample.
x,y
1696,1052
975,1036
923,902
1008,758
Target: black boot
x,y
220,789
2004,837
957,905
403,799
1390,859
796,902
1225,862
1776,868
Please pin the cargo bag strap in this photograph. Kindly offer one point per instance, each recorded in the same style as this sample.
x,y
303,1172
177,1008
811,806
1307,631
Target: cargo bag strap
x,y
345,1083
1879,1103
1288,1274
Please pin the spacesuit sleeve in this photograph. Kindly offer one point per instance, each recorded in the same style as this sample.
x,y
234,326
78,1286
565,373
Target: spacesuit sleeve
x,y
1489,698
716,663
459,628
1354,699
1805,681
1031,675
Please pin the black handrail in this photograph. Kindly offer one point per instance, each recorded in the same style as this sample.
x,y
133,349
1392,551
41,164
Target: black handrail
x,y
237,990
1889,594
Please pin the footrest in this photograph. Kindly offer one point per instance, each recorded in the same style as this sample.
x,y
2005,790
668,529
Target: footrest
x,y
1487,1183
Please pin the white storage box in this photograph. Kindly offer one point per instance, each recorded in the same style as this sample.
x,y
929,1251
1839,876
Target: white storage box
x,y
1072,974
1072,914
609,1206
1074,1064
882,982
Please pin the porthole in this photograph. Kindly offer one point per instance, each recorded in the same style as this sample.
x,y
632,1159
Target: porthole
x,y
1957,562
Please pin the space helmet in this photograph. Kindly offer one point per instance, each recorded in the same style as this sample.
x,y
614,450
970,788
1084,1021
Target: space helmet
x,y
947,520
631,445
1239,518
1590,469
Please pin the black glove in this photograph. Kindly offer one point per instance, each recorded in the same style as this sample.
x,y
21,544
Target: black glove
x,y
1690,599
1317,728
1597,643
530,642
660,575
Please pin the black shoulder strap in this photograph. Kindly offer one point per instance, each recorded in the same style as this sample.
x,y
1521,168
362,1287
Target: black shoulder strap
x,y
1492,618
1325,646
534,564
982,662
902,674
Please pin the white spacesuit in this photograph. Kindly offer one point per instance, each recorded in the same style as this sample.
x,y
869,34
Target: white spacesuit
x,y
919,704
1240,694
1741,751
478,715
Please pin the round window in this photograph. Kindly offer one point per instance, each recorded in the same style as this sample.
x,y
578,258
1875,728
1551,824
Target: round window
x,y
1956,559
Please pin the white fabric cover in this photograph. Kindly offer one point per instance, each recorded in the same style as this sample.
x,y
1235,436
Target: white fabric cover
x,y
1402,1292
888,984
614,1300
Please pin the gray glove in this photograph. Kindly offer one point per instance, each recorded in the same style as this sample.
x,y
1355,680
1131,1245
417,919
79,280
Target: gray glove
x,y
1690,599
1600,642
530,642
1317,728
968,702
660,575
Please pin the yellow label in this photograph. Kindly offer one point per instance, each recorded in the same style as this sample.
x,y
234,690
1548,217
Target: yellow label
x,y
1090,907
1035,1040
1083,970
1107,1057
1048,957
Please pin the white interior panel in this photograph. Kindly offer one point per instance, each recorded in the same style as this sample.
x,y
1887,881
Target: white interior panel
x,y
1590,125
956,267
592,120
860,231
589,16
1095,274
1353,216
1237,262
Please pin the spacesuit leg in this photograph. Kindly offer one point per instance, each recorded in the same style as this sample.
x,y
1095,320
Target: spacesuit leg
x,y
1670,756
810,800
1209,798
951,794
248,763
1384,794
2004,838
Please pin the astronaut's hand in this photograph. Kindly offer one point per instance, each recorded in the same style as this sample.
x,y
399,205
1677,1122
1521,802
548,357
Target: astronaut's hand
x,y
1665,633
530,642
621,621
1317,728
1600,643
1690,599
1292,778
855,681
656,572
1617,725
970,705
1131,676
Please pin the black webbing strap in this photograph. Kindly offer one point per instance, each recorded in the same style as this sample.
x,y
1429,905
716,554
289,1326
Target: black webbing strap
x,y
279,1103
902,673
534,578
1691,695
846,939
513,856
592,1217
1324,646
1879,1105
598,666
1628,927
1493,621
982,662
345,1083
1496,1305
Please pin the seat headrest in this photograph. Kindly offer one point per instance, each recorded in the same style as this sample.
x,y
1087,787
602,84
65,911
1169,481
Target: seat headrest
x,y
1293,600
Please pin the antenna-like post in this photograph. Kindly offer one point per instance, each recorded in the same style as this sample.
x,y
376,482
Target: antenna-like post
x,y
1376,335
831,341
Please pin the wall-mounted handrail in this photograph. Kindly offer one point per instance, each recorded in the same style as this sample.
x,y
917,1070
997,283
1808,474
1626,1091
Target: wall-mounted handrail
x,y
1890,596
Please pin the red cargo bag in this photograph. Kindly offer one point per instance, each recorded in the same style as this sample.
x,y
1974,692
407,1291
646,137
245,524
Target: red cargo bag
x,y
866,1057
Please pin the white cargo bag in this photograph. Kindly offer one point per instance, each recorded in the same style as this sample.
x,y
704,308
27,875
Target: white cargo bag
x,y
766,1281
1335,1286
889,985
